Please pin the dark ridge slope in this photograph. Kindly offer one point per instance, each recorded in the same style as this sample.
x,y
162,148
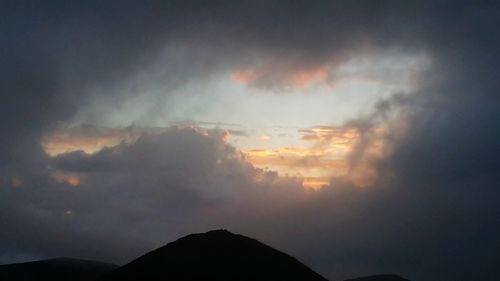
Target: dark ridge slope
x,y
215,255
60,269
385,277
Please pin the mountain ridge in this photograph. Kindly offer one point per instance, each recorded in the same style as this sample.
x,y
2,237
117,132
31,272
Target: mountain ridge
x,y
56,269
379,277
213,255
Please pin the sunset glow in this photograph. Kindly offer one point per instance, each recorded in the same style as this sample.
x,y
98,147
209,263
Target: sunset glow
x,y
359,137
302,144
62,142
318,154
68,178
299,79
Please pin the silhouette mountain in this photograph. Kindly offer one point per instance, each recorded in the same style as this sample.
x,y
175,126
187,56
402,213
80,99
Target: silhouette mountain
x,y
215,255
384,277
60,269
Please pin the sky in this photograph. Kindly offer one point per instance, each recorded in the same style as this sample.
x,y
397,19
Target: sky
x,y
361,137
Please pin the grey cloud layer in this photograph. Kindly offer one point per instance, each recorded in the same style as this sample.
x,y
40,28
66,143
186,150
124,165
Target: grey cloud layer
x,y
435,219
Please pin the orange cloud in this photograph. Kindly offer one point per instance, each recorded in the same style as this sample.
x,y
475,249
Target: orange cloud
x,y
88,139
324,151
91,139
59,144
304,78
330,134
316,182
16,182
315,165
243,76
68,178
330,155
269,74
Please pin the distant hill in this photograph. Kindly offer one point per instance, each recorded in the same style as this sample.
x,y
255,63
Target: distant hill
x,y
60,269
215,255
385,277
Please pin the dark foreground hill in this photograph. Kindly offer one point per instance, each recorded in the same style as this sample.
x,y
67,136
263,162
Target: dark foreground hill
x,y
215,255
61,269
385,277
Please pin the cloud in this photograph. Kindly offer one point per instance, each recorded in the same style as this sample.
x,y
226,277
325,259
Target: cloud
x,y
148,191
430,214
269,77
91,139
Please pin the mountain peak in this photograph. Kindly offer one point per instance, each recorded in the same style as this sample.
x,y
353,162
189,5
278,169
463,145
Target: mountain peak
x,y
219,231
212,233
215,255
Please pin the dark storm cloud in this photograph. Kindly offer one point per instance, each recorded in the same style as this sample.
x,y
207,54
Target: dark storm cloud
x,y
133,197
434,216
